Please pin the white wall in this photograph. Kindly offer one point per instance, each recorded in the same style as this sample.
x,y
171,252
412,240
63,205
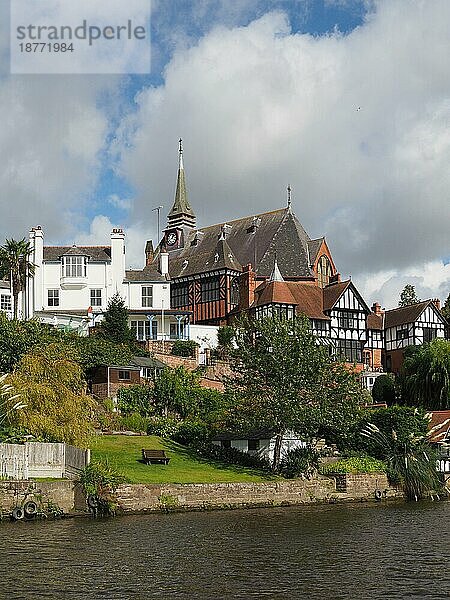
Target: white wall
x,y
204,335
161,294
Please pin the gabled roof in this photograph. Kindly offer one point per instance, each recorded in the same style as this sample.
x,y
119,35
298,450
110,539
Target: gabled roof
x,y
95,253
332,293
267,234
405,314
147,361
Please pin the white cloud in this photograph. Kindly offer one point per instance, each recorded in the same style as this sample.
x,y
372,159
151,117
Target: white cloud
x,y
118,202
357,124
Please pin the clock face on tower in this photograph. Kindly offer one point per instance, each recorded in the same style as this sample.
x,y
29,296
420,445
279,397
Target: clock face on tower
x,y
171,238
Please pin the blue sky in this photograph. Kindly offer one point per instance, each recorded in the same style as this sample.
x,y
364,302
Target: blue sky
x,y
181,23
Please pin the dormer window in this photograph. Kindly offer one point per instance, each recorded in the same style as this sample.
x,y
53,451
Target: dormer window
x,y
323,271
74,266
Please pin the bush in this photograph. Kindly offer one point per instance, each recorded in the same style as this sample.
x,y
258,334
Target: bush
x,y
234,456
184,348
384,390
300,462
99,476
134,422
165,427
192,433
354,465
136,399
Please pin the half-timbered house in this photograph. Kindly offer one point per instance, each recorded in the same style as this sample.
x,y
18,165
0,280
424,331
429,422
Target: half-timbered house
x,y
412,325
205,264
337,312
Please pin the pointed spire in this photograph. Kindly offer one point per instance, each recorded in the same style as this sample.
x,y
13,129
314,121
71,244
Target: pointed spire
x,y
181,214
180,154
276,274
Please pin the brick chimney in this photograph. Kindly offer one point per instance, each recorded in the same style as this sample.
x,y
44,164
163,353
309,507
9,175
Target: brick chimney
x,y
149,253
376,309
335,278
247,285
437,303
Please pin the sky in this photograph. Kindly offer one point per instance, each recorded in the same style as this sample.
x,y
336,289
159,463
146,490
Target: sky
x,y
347,101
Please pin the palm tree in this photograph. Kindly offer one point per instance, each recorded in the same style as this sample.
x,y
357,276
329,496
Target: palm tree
x,y
15,264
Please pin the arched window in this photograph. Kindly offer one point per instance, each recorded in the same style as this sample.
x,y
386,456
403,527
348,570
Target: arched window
x,y
235,291
323,271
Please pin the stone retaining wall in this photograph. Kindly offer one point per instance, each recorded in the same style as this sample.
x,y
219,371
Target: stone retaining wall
x,y
64,494
143,498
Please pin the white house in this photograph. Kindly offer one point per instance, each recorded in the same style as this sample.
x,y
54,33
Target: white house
x,y
72,286
259,443
5,298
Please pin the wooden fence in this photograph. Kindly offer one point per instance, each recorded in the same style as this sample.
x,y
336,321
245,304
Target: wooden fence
x,y
36,459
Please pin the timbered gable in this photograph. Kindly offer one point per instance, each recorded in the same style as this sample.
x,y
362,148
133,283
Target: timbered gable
x,y
413,325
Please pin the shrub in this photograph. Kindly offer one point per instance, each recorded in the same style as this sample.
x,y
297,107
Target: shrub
x,y
192,433
184,348
383,389
234,456
300,462
165,427
354,465
99,476
134,422
136,399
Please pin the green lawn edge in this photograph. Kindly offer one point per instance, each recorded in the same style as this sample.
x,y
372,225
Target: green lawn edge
x,y
124,454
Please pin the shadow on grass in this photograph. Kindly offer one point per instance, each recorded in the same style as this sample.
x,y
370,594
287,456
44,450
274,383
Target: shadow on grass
x,y
192,455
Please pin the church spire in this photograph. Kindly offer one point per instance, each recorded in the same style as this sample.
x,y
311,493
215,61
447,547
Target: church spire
x,y
181,214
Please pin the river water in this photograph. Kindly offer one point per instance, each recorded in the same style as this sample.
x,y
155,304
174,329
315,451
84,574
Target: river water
x,y
386,551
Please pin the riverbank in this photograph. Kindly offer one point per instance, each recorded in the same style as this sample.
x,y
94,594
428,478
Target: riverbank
x,y
144,498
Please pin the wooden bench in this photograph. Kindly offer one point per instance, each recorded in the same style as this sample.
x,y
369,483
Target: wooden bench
x,y
155,457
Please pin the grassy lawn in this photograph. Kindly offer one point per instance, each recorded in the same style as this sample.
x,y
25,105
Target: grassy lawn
x,y
124,453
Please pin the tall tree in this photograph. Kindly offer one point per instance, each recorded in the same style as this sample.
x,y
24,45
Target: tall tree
x,y
408,296
15,264
283,380
114,326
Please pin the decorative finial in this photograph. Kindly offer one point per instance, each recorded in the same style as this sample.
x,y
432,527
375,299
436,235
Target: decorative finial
x,y
180,152
289,200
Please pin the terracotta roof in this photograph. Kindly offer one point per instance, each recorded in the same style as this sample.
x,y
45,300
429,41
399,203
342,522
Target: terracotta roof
x,y
333,292
405,314
374,321
278,233
440,423
95,253
307,298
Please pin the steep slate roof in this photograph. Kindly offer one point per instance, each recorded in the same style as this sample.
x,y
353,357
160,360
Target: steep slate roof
x,y
95,253
374,321
313,248
278,233
405,314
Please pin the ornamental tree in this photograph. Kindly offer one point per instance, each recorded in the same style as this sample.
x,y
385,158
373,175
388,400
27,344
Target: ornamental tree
x,y
114,326
15,264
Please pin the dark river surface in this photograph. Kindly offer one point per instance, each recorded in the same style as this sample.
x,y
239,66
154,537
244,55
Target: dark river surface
x,y
349,551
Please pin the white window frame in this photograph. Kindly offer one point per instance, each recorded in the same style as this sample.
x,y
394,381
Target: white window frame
x,y
74,266
5,302
96,298
146,296
53,297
